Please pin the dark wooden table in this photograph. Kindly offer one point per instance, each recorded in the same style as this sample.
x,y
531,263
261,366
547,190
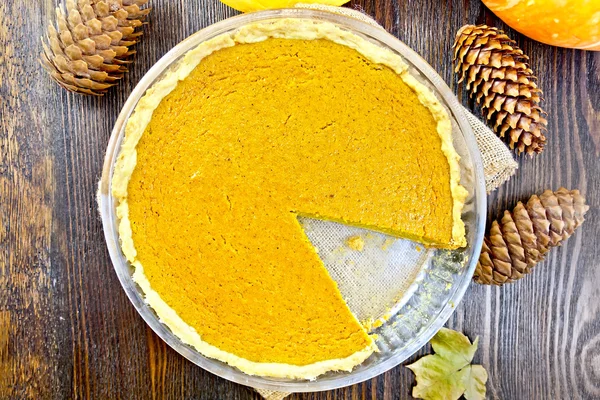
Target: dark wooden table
x,y
67,330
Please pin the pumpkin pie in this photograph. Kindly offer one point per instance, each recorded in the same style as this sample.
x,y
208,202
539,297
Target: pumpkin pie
x,y
248,131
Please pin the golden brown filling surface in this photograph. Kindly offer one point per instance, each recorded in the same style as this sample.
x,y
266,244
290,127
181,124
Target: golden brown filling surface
x,y
255,135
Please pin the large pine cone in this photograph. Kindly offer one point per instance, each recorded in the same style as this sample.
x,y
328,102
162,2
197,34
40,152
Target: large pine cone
x,y
498,76
521,238
89,48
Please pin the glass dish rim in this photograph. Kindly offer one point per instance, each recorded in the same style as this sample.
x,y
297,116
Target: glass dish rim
x,y
106,202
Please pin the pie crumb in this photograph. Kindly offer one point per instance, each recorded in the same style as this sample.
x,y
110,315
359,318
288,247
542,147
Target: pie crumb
x,y
355,242
387,243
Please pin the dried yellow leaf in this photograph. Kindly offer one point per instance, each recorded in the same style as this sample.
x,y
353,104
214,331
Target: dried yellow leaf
x,y
448,374
256,5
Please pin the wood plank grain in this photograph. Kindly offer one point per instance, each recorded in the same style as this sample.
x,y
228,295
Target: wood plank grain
x,y
26,190
67,330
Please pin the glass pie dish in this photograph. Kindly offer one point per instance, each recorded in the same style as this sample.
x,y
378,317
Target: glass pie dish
x,y
425,286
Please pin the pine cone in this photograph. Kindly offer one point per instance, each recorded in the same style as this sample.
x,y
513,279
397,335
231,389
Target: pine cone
x,y
498,76
521,238
89,49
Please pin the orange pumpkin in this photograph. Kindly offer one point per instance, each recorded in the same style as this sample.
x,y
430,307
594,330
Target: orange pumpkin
x,y
564,23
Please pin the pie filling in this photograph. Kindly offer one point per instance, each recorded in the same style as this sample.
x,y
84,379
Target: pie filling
x,y
222,155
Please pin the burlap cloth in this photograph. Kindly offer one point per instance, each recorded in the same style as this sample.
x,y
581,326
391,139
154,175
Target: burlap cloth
x,y
498,162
